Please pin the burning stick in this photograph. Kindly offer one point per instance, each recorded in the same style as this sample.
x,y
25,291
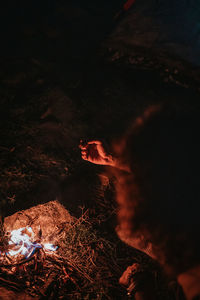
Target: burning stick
x,y
11,284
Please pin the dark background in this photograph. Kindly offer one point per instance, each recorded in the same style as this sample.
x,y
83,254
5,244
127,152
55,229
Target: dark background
x,y
74,70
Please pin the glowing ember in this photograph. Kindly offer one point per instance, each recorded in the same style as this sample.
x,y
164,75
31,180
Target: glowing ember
x,y
21,243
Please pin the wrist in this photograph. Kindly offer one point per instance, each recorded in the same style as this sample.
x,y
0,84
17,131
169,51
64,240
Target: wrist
x,y
116,163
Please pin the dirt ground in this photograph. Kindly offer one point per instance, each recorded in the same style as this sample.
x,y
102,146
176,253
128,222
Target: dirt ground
x,y
63,78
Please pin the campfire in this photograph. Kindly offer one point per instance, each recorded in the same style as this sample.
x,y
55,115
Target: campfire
x,y
31,231
46,252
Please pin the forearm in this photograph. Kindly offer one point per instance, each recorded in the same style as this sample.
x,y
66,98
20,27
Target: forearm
x,y
118,164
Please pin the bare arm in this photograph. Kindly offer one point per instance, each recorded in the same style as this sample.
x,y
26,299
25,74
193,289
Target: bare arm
x,y
95,153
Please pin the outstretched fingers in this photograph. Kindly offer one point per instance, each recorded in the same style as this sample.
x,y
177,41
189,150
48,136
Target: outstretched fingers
x,y
84,153
94,152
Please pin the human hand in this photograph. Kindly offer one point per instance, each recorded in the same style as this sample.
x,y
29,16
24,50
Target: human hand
x,y
139,281
94,152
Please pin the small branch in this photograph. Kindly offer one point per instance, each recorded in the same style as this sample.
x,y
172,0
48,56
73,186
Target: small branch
x,y
10,283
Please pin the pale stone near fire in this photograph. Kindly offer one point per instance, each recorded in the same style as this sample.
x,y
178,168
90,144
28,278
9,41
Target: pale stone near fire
x,y
46,221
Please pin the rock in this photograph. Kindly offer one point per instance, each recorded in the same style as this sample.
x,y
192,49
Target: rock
x,y
44,219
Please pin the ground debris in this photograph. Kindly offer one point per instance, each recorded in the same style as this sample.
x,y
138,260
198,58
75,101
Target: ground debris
x,y
83,264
